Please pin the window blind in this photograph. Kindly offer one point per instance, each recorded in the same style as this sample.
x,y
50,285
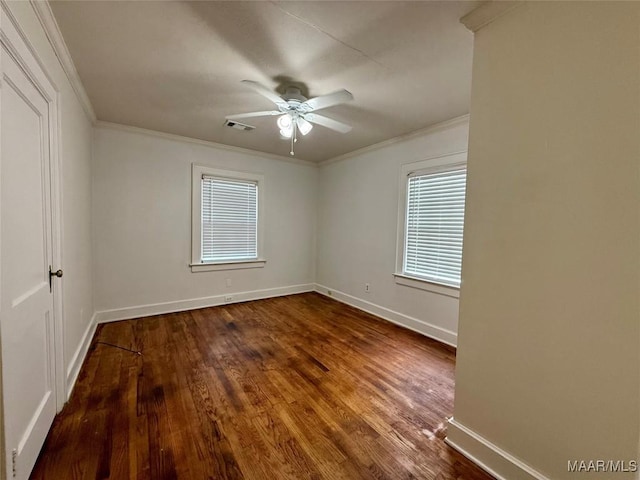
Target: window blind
x,y
434,224
229,219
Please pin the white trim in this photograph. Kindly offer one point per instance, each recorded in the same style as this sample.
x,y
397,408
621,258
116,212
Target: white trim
x,y
454,122
6,9
194,303
216,267
79,356
50,26
57,222
3,443
487,13
488,456
422,284
197,141
432,331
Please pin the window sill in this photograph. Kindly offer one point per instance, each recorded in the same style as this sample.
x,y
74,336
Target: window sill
x,y
430,286
239,265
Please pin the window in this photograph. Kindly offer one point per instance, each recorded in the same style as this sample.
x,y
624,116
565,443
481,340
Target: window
x,y
226,219
433,220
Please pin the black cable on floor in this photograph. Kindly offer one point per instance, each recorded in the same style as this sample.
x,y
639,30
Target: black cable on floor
x,y
121,348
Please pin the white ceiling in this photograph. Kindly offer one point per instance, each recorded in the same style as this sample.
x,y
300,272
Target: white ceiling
x,y
176,67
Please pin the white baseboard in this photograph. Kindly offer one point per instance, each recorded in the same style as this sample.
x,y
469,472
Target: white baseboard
x,y
78,357
420,326
193,303
488,456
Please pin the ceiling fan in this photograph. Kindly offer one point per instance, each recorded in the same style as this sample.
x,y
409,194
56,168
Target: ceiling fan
x,y
295,112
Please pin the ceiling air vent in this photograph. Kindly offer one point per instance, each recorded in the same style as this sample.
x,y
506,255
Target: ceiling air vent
x,y
238,125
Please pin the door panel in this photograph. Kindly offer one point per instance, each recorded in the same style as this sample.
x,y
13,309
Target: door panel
x,y
26,304
24,126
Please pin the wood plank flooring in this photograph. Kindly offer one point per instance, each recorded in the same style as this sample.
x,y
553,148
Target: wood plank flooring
x,y
297,387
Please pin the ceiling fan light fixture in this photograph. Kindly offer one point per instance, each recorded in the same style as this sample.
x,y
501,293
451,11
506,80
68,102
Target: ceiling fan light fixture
x,y
286,133
285,122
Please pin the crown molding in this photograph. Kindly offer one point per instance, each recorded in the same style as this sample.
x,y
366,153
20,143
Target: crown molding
x,y
487,13
436,127
5,6
197,141
479,17
50,26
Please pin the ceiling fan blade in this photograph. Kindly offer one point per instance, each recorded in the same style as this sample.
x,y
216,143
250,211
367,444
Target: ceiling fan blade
x,y
328,122
264,91
252,114
329,100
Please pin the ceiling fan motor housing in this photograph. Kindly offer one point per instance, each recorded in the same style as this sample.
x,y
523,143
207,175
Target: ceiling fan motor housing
x,y
294,102
294,93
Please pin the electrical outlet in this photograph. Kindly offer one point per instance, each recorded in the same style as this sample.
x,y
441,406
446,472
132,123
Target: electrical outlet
x,y
228,298
228,282
367,287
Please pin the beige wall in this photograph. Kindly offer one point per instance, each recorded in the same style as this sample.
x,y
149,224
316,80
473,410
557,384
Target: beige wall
x,y
548,360
142,225
358,232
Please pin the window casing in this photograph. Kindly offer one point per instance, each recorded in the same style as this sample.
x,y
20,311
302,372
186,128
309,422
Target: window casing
x,y
431,225
226,219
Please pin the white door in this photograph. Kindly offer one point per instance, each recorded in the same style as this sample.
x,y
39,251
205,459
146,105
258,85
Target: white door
x,y
26,301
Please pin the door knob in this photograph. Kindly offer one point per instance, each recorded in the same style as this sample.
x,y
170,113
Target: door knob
x,y
57,273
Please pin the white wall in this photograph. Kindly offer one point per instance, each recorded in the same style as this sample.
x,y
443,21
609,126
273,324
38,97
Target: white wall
x,y
142,225
357,232
548,363
75,158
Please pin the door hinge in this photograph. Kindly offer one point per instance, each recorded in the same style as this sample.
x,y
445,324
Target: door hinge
x,y
14,458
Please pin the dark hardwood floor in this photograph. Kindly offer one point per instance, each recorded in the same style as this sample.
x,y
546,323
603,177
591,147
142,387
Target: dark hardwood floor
x,y
297,387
